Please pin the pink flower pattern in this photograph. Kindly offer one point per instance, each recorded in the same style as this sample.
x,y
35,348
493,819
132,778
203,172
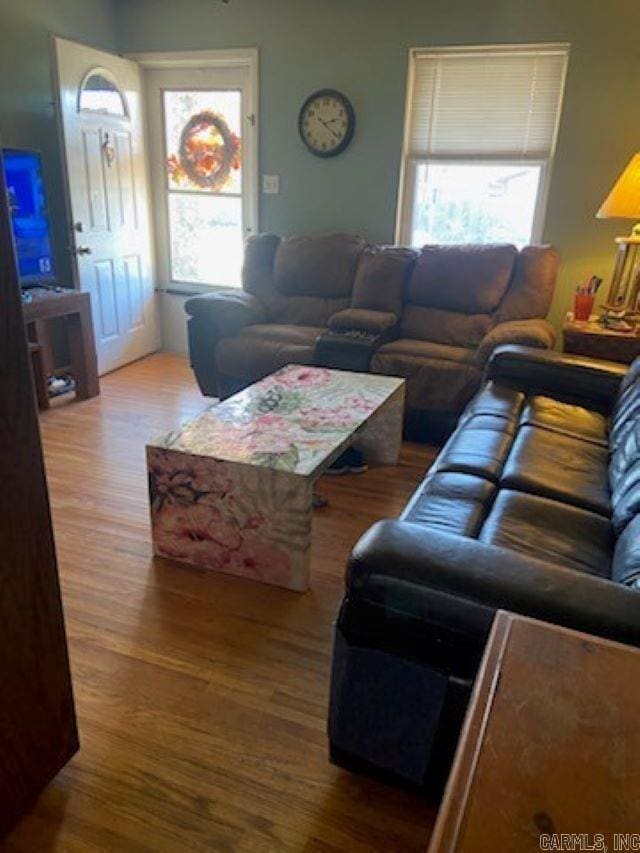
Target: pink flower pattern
x,y
286,421
196,519
212,504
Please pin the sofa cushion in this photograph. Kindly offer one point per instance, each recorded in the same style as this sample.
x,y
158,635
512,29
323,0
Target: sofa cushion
x,y
548,530
322,265
626,411
624,477
626,557
259,350
303,310
479,447
257,265
381,278
560,467
532,284
443,327
427,349
291,334
457,503
496,399
433,384
467,279
576,421
363,319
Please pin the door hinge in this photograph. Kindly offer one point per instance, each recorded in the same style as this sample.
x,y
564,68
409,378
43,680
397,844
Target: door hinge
x,y
252,119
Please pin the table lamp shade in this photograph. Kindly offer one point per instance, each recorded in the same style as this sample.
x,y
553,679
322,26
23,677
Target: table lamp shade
x,y
623,201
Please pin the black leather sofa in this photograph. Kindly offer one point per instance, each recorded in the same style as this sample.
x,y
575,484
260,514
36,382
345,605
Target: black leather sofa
x,y
531,506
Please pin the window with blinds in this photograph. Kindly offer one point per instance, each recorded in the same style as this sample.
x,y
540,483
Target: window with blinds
x,y
480,134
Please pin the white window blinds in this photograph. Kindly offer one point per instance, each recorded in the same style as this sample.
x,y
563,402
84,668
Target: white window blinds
x,y
493,103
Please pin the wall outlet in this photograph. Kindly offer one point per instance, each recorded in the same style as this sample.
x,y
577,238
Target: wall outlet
x,y
271,184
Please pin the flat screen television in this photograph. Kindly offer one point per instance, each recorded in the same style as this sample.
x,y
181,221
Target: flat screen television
x,y
29,216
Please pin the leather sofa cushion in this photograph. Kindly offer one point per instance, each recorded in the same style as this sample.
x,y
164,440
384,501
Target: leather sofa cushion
x,y
467,279
322,265
479,447
560,467
567,419
457,503
626,557
626,414
381,278
443,327
433,384
626,411
548,530
624,478
496,399
259,350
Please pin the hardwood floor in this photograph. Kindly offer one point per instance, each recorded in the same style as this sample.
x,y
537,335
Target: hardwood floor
x,y
201,698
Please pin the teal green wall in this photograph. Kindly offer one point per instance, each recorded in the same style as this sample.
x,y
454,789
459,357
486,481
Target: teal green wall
x,y
26,92
360,46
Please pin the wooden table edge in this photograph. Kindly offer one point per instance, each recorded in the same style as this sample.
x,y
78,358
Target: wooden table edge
x,y
451,817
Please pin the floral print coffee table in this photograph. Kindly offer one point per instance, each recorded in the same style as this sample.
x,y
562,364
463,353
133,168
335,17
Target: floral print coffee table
x,y
232,489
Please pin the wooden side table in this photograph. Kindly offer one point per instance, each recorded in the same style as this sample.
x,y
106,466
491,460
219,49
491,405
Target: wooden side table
x,y
76,307
551,743
594,341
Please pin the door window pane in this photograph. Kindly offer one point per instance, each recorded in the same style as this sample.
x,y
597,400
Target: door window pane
x,y
203,140
474,203
205,238
99,94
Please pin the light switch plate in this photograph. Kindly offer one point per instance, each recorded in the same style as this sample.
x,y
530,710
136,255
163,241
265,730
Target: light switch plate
x,y
271,184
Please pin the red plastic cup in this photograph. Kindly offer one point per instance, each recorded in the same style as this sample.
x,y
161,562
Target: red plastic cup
x,y
582,306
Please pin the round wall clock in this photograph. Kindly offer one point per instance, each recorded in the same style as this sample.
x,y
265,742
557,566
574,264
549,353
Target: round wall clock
x,y
326,122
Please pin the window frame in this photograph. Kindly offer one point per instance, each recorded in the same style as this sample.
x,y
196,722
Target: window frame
x,y
245,197
240,59
409,162
101,71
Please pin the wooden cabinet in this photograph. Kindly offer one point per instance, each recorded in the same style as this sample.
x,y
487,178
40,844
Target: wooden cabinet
x,y
594,341
551,743
37,719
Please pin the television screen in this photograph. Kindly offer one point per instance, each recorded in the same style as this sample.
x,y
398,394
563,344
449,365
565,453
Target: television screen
x,y
29,215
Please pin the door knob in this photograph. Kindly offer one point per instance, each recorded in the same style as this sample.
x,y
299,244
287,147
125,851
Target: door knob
x,y
83,250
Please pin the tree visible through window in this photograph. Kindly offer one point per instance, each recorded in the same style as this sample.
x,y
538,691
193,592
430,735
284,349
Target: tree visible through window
x,y
479,141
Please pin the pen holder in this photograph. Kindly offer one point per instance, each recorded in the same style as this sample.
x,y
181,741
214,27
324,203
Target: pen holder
x,y
582,306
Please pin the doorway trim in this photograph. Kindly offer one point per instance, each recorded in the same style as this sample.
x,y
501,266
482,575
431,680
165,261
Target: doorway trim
x,y
243,57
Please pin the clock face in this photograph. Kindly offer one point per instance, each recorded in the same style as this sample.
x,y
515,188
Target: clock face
x,y
326,122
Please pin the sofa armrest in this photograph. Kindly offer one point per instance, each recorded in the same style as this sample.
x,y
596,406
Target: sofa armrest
x,y
226,312
436,576
362,319
586,380
530,333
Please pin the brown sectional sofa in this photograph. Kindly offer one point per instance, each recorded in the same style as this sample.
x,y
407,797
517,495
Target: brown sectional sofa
x,y
432,316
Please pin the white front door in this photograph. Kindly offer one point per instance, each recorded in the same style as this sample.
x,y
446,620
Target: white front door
x,y
102,125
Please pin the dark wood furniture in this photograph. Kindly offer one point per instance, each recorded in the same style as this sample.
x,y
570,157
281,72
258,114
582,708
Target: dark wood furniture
x,y
76,308
551,742
39,376
37,718
594,341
